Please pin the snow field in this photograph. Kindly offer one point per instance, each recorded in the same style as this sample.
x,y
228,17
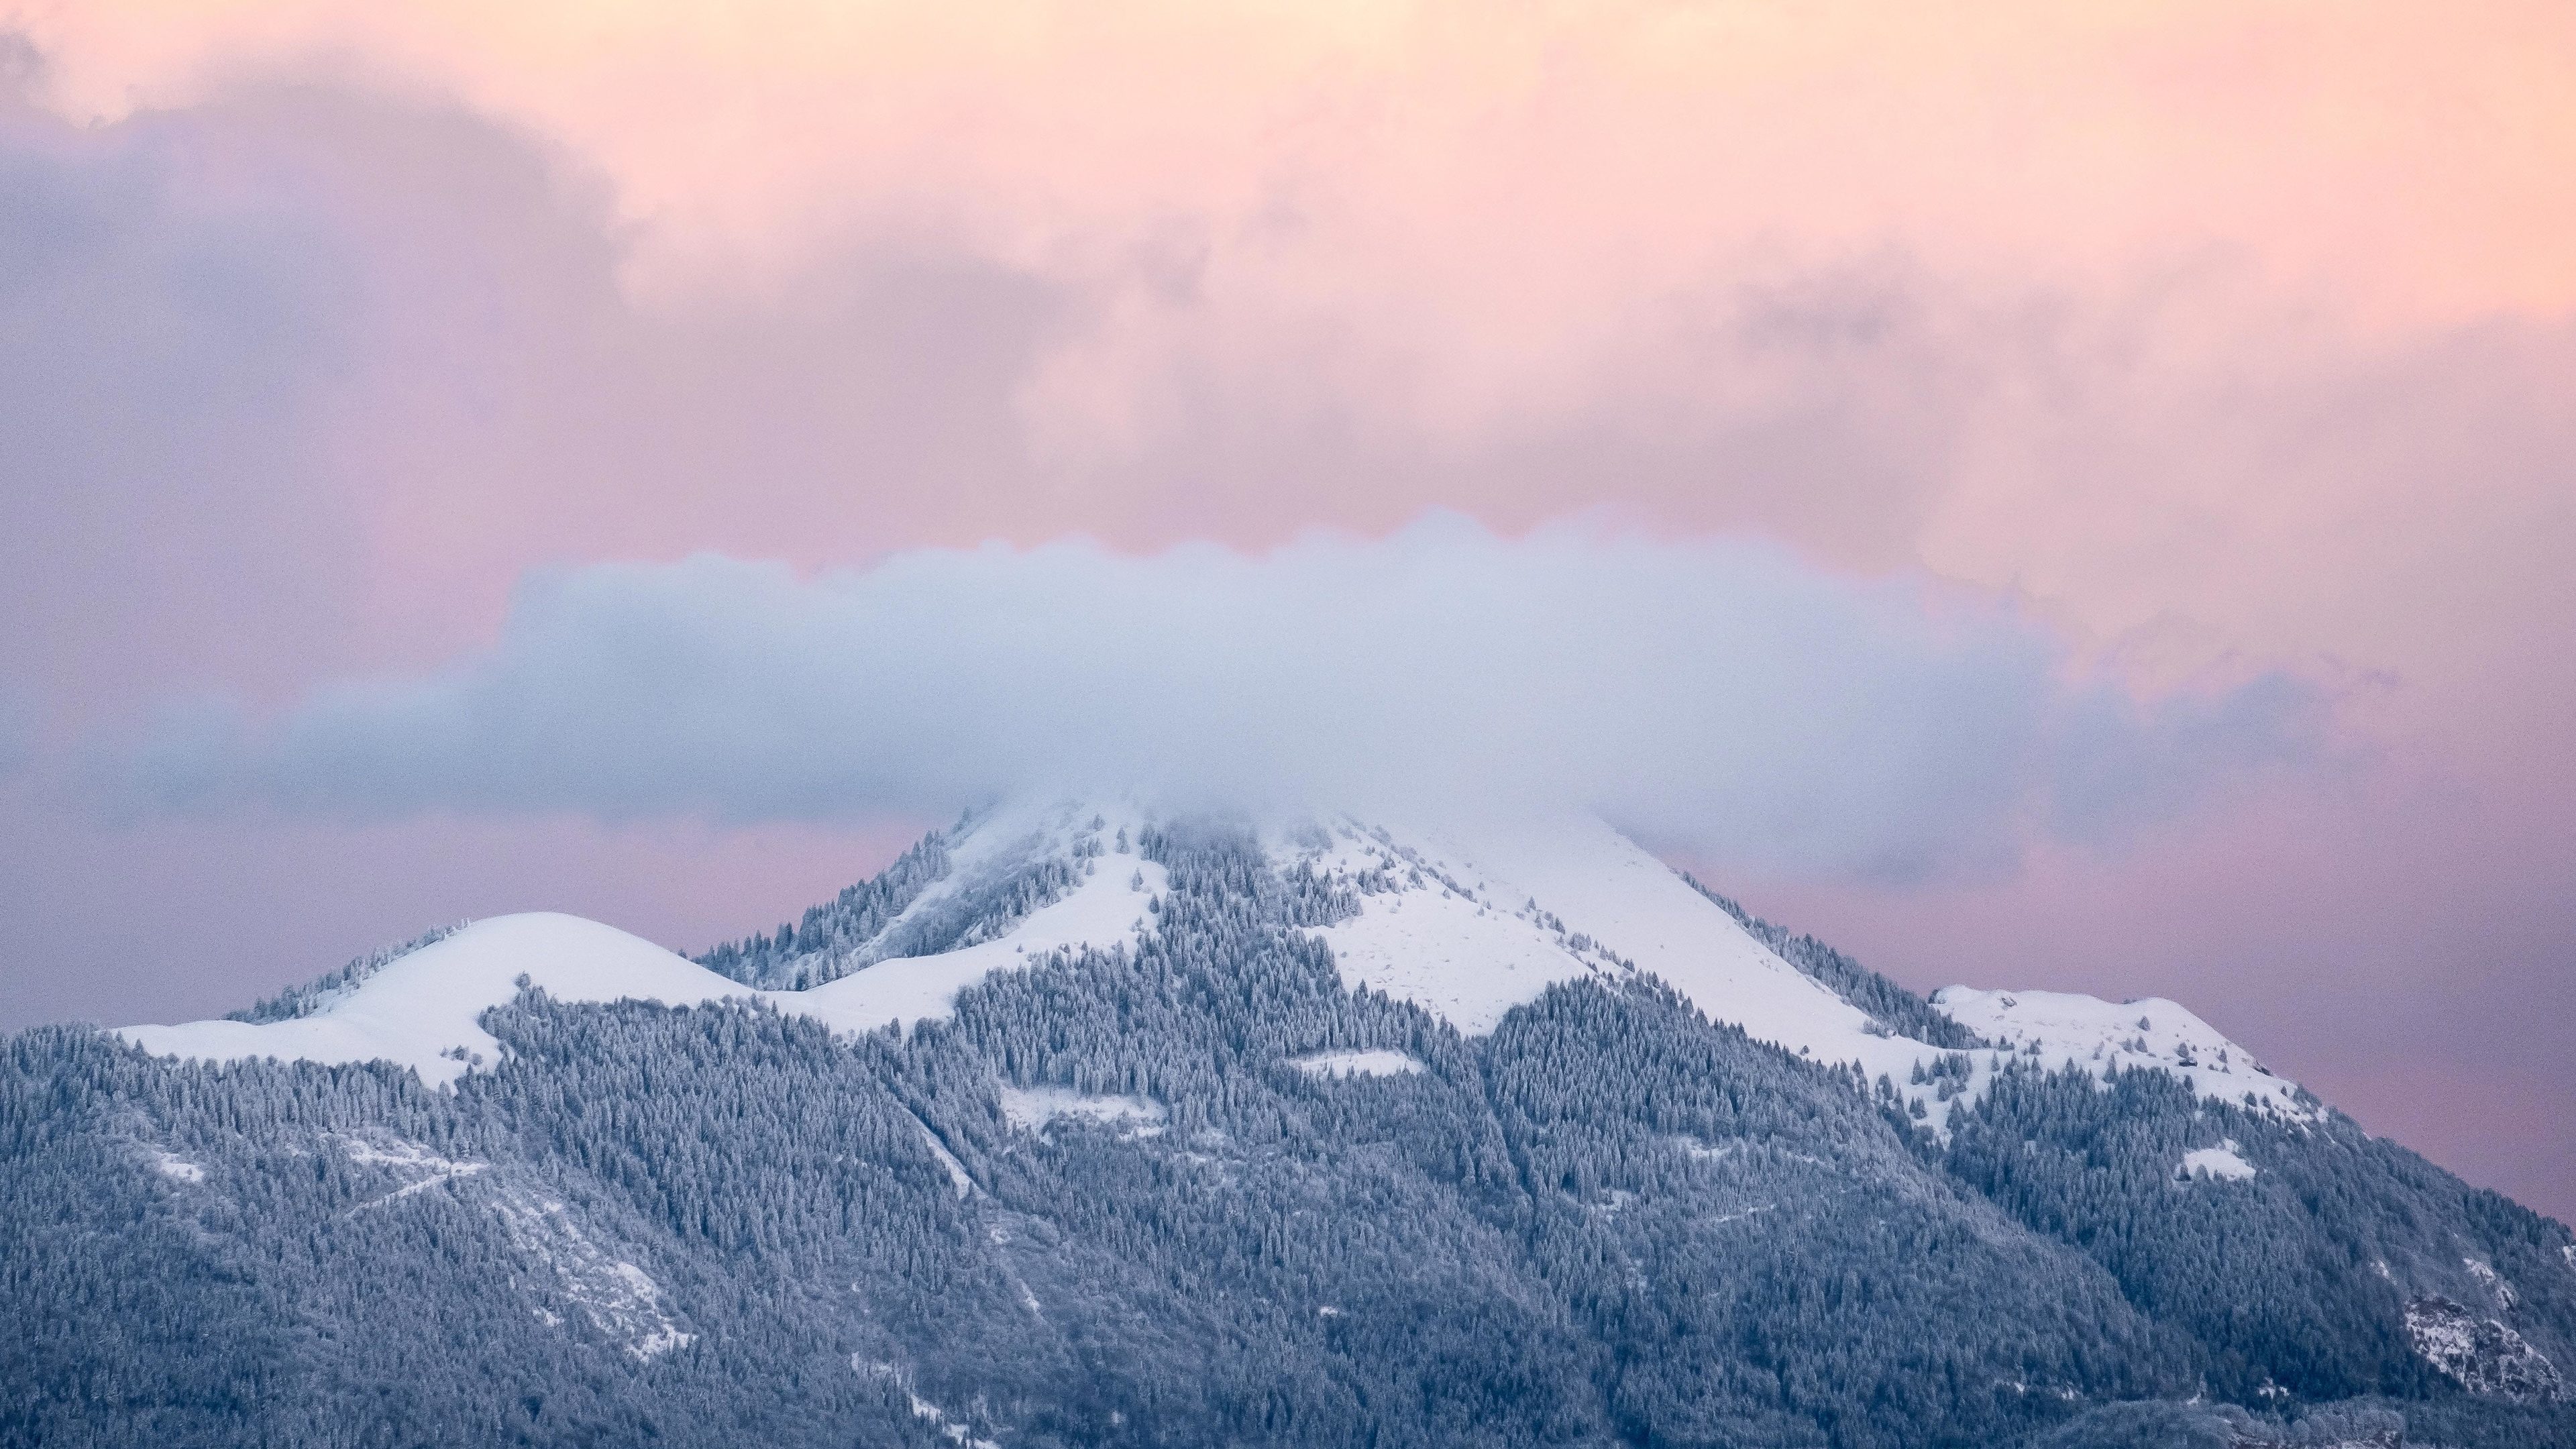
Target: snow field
x,y
1031,1109
2056,1029
2223,1163
176,1168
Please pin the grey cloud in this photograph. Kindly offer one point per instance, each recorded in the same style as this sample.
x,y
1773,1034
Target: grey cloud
x,y
243,342
2117,765
1716,693
166,360
17,732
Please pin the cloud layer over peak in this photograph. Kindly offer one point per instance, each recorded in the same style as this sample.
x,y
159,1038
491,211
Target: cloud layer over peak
x,y
1717,693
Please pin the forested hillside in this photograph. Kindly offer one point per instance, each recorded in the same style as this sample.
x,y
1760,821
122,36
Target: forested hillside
x,y
1195,1187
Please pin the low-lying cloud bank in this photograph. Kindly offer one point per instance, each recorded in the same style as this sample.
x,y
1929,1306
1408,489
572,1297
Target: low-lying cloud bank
x,y
1718,694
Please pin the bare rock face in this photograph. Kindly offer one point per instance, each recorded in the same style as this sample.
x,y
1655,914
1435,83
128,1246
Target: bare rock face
x,y
2481,1354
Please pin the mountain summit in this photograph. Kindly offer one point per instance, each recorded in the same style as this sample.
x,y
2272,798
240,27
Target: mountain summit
x,y
1466,922
1080,1125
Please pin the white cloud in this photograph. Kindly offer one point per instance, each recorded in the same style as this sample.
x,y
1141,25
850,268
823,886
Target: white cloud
x,y
1717,693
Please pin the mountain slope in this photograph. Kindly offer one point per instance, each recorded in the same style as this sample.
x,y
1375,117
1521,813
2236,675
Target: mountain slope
x,y
1326,1134
420,1009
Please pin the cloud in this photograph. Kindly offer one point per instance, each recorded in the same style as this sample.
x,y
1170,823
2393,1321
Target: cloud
x,y
163,358
1517,167
1714,692
17,731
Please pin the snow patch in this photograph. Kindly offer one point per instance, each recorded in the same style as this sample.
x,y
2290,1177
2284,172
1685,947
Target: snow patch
x,y
176,1168
1032,1109
1378,1063
2223,1163
424,1169
406,1156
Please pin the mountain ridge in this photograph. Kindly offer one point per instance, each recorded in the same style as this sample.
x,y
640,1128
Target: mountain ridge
x,y
977,883
1216,1134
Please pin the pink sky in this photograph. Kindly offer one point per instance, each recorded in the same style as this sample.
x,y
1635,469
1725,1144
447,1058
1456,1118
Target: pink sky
x,y
2224,338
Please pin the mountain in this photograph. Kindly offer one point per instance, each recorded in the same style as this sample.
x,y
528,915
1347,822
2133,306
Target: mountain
x,y
1080,1125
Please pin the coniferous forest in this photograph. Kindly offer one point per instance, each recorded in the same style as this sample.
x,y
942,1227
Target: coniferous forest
x,y
1606,1222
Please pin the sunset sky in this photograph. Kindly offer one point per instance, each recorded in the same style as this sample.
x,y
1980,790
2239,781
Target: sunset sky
x,y
2038,494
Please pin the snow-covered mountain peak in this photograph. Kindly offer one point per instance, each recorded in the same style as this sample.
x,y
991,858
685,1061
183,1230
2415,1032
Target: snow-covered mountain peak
x,y
421,1010
1466,919
1471,920
1182,1145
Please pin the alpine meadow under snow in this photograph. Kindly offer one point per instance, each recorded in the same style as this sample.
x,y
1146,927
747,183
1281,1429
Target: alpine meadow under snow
x,y
1086,1123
